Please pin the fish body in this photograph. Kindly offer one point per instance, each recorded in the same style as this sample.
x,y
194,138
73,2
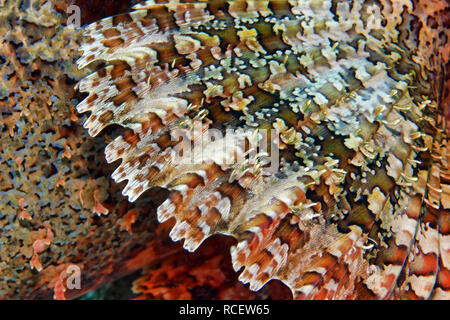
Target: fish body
x,y
356,202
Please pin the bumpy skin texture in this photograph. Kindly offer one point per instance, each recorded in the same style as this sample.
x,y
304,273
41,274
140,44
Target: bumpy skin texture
x,y
360,207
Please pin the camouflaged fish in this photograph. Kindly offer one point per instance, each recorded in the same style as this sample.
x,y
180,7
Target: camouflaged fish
x,y
360,204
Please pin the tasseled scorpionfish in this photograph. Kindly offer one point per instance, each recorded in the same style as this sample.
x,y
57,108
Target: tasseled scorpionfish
x,y
317,133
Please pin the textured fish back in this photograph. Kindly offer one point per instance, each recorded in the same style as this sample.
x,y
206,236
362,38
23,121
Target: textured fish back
x,y
359,207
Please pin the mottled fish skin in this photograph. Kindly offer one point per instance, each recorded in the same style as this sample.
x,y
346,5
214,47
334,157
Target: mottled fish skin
x,y
360,207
